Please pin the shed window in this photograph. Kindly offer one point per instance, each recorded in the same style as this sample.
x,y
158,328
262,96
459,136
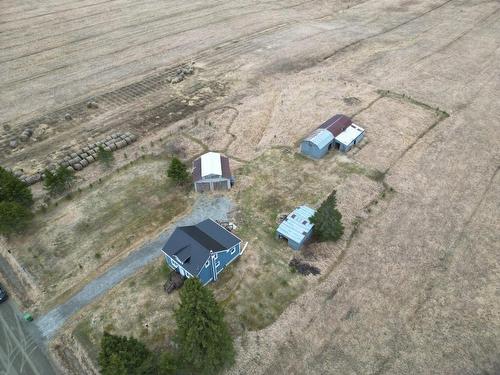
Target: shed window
x,y
304,222
293,216
207,263
217,264
174,263
233,250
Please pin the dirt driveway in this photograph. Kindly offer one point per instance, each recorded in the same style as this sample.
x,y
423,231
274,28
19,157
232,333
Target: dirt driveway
x,y
207,206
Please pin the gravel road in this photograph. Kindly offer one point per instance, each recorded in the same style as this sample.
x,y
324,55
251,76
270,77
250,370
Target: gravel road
x,y
206,206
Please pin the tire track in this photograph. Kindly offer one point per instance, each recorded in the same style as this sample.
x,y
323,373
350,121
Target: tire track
x,y
122,28
126,48
386,31
56,12
480,22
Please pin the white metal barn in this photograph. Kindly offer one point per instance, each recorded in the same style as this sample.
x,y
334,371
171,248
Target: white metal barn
x,y
211,172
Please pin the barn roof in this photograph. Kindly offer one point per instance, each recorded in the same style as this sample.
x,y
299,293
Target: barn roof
x,y
349,135
320,137
297,225
211,163
191,245
336,125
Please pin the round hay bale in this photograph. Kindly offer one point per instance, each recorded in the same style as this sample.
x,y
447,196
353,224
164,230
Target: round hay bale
x,y
133,137
107,148
75,161
70,168
90,159
68,117
128,140
92,105
83,155
23,137
86,149
64,163
84,163
77,167
121,144
13,144
113,147
73,155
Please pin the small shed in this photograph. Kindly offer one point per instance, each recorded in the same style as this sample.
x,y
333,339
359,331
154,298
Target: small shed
x,y
349,137
296,228
211,171
317,144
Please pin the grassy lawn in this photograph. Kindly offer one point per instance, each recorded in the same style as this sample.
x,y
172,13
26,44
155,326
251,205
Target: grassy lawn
x,y
72,240
137,307
256,288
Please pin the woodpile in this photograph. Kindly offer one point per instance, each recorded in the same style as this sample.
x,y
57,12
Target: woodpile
x,y
303,268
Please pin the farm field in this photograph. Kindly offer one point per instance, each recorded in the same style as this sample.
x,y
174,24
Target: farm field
x,y
412,285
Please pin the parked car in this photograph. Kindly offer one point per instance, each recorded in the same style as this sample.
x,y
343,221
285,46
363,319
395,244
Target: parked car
x,y
3,294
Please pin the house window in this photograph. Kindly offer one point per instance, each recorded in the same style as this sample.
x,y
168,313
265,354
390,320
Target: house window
x,y
174,263
207,263
215,256
217,264
233,250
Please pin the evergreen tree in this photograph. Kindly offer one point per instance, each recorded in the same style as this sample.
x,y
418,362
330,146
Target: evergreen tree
x,y
14,217
122,355
15,203
59,181
328,220
13,189
204,343
178,171
105,156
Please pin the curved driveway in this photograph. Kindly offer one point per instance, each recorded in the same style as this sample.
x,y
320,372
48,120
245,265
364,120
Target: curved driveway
x,y
206,206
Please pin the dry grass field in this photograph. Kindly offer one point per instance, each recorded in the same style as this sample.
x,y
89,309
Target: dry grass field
x,y
80,236
412,288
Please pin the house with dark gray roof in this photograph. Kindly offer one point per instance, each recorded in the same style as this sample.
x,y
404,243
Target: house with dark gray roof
x,y
211,172
202,250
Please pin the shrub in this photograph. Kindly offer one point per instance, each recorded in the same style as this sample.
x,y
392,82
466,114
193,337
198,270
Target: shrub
x,y
178,171
105,156
328,220
204,343
59,181
122,355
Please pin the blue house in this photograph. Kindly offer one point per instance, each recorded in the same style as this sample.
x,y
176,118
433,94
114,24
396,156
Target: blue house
x,y
202,250
296,228
349,137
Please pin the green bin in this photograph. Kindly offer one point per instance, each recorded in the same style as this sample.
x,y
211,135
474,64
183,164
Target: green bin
x,y
28,317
